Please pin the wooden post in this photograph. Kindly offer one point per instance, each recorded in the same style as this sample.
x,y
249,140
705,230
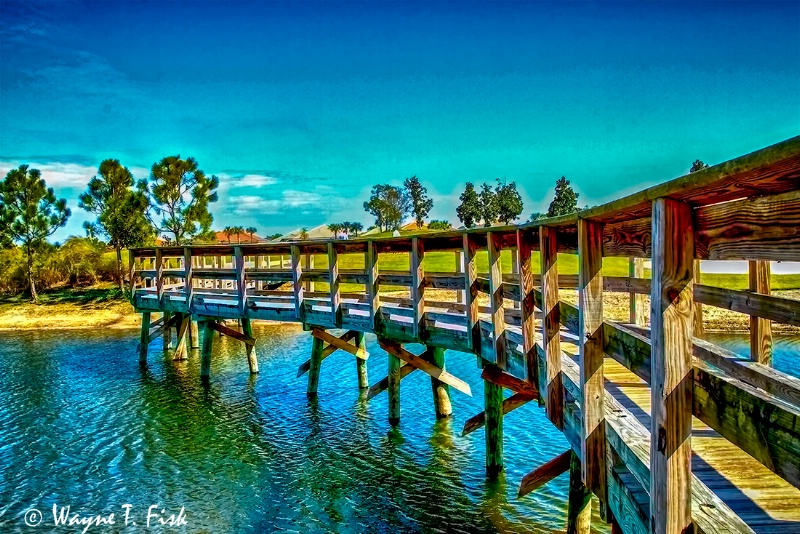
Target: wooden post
x,y
459,270
471,294
671,374
639,310
159,268
333,275
241,283
188,283
252,359
515,270
441,391
551,324
194,337
373,297
297,282
493,408
496,300
166,336
418,287
527,306
182,330
394,389
760,329
361,364
316,365
144,337
309,265
205,351
698,327
590,311
579,511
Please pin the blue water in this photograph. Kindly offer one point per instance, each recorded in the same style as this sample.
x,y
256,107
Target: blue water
x,y
83,425
785,349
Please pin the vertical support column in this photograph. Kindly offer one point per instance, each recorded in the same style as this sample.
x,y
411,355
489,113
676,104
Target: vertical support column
x,y
459,270
760,329
496,299
309,266
159,267
441,391
579,511
394,390
333,276
144,337
493,409
205,352
217,283
590,308
551,325
361,364
252,359
671,383
527,305
471,294
131,272
241,283
188,282
316,365
297,281
373,287
166,334
194,336
418,288
639,311
515,270
698,327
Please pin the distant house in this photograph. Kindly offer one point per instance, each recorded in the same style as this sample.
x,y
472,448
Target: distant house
x,y
412,227
237,239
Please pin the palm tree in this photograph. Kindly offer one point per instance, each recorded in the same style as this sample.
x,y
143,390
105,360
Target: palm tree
x,y
304,233
335,228
252,231
229,231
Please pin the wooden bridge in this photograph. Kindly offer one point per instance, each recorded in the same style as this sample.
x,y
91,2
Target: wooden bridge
x,y
669,432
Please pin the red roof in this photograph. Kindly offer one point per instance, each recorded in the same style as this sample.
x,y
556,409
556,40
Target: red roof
x,y
222,237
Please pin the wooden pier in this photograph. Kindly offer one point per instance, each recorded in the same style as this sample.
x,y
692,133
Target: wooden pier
x,y
671,433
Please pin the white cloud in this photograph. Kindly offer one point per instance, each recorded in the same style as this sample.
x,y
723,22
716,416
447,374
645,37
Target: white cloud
x,y
289,200
257,181
57,175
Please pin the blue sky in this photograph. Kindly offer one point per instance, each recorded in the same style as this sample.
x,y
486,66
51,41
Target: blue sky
x,y
301,107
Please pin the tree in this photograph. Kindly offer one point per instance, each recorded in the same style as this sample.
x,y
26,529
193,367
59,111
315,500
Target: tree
x,y
536,215
29,214
489,210
698,165
238,231
418,196
354,228
389,205
335,228
120,209
251,231
304,233
228,231
469,211
180,193
508,201
565,200
439,225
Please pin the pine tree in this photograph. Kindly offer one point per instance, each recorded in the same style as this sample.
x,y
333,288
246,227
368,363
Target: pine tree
x,y
29,214
418,196
469,211
565,200
508,201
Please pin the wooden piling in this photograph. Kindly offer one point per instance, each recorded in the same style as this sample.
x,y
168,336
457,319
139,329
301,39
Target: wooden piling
x,y
167,335
361,364
579,510
551,325
316,364
493,408
144,338
252,359
441,391
205,351
194,335
394,389
760,329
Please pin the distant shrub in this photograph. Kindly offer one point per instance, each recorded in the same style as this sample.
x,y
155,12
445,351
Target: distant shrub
x,y
439,225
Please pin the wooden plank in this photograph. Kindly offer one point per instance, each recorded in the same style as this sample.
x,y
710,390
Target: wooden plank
x,y
339,343
417,254
760,328
527,305
373,288
771,308
241,287
383,384
495,375
224,330
297,283
333,274
188,282
510,404
579,509
327,351
471,292
639,311
496,300
551,325
426,367
545,473
592,383
671,345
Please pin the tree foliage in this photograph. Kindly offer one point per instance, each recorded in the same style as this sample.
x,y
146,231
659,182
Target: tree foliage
x,y
698,165
489,209
565,200
439,225
180,194
418,197
508,201
29,214
389,205
251,231
536,215
469,211
120,209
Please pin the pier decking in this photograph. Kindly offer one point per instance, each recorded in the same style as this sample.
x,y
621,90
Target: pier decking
x,y
671,433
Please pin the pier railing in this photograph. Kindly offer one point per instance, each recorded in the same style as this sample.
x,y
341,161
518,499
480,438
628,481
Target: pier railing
x,y
529,340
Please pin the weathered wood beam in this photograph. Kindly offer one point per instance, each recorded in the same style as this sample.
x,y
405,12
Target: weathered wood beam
x,y
183,330
545,473
250,349
241,284
297,283
314,368
551,325
361,364
590,342
698,328
493,415
510,404
393,387
230,332
497,376
206,348
496,300
373,288
159,268
527,304
579,509
440,390
639,311
333,274
670,386
144,337
776,309
327,351
383,384
471,293
417,254
340,343
760,328
158,327
443,376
